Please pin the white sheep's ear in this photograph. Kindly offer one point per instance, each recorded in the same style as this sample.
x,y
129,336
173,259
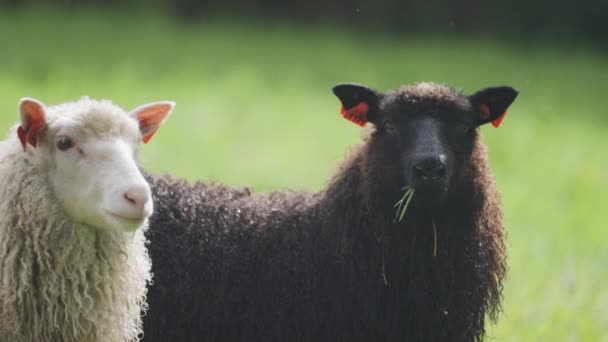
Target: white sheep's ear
x,y
32,115
151,116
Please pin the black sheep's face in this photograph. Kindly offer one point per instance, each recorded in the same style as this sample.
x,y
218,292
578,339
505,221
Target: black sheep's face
x,y
428,130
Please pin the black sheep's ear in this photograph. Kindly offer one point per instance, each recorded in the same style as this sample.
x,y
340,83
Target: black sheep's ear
x,y
359,103
492,104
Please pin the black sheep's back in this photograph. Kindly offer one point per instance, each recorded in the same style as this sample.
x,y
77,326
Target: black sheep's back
x,y
250,262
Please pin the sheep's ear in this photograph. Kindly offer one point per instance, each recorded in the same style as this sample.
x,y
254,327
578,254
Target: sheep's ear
x,y
492,104
359,103
151,116
32,115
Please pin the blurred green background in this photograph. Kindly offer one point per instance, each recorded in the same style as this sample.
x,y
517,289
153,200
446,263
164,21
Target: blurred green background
x,y
255,108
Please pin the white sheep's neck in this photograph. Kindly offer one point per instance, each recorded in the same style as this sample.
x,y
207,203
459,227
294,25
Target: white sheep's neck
x,y
59,280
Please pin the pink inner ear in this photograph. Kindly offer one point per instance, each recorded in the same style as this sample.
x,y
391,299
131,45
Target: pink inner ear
x,y
33,110
150,119
148,136
153,116
32,123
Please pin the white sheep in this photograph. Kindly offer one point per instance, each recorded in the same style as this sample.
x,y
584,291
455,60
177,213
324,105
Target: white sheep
x,y
73,204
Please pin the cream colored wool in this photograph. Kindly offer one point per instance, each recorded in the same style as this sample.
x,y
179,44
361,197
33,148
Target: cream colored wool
x,y
60,280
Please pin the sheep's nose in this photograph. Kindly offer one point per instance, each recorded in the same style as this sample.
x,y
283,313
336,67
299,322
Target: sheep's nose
x,y
137,197
427,169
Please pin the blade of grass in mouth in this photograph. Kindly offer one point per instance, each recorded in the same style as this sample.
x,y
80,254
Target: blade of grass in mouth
x,y
404,203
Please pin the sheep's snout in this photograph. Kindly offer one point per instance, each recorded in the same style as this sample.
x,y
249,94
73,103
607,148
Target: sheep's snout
x,y
137,198
429,175
428,169
131,207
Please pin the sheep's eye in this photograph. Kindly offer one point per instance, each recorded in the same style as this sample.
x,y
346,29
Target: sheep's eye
x,y
64,143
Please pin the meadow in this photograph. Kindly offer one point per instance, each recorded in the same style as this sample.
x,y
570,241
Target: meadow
x,y
254,108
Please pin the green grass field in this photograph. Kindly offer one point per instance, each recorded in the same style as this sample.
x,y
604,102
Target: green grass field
x,y
255,108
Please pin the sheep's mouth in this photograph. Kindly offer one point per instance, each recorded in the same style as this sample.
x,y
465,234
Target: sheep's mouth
x,y
429,198
130,220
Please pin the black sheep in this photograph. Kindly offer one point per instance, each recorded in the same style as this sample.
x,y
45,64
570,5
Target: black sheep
x,y
336,265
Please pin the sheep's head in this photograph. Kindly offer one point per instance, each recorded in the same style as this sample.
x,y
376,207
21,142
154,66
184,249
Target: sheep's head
x,y
424,133
88,150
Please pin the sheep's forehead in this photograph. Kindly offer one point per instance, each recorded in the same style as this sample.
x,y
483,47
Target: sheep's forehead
x,y
426,96
93,118
428,90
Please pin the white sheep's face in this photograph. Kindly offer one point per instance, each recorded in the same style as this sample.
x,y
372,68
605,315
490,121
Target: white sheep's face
x,y
88,150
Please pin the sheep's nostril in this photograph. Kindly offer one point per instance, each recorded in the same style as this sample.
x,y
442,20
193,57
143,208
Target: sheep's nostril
x,y
439,171
129,199
419,172
137,197
429,168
